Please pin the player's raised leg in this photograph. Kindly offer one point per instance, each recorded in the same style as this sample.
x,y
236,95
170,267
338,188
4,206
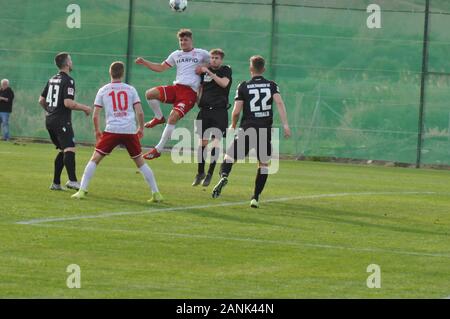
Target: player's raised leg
x,y
154,97
155,152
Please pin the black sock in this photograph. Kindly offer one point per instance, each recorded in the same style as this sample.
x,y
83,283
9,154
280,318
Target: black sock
x,y
201,160
225,169
59,165
69,162
214,155
260,181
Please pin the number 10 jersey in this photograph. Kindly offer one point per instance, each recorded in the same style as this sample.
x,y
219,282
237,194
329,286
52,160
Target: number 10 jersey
x,y
118,100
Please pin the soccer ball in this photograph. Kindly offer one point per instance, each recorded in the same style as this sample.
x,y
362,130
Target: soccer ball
x,y
178,5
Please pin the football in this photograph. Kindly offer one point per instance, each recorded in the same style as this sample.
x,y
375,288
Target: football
x,y
178,5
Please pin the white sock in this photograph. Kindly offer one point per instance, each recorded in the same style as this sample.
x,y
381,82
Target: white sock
x,y
149,177
87,175
154,105
167,133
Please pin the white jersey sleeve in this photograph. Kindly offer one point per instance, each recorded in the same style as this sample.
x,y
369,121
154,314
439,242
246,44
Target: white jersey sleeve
x,y
135,96
99,99
171,59
206,56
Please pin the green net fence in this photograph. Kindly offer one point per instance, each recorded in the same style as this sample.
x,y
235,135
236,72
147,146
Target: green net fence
x,y
350,91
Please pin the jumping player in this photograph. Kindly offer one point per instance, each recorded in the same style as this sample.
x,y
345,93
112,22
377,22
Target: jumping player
x,y
122,105
183,94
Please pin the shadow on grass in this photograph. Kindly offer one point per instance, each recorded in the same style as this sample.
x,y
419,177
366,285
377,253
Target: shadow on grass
x,y
349,218
234,217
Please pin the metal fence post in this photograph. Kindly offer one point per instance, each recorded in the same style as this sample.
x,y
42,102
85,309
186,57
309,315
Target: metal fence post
x,y
129,41
272,44
422,84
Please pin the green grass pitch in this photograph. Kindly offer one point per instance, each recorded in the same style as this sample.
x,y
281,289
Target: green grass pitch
x,y
306,247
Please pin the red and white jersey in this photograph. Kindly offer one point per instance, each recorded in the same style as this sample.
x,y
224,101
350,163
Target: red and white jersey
x,y
186,62
118,100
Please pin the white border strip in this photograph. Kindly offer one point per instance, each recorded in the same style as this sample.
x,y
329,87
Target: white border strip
x,y
172,209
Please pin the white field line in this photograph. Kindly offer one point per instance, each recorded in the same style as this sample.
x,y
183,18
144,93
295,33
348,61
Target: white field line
x,y
172,209
259,241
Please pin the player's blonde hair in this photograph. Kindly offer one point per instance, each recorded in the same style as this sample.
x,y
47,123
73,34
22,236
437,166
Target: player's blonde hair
x,y
117,69
217,52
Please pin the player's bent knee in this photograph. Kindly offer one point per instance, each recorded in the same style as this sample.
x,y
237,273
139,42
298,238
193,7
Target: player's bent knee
x,y
263,165
97,157
152,94
139,161
216,142
228,159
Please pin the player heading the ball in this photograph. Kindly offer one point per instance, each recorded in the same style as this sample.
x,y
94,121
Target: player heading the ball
x,y
182,94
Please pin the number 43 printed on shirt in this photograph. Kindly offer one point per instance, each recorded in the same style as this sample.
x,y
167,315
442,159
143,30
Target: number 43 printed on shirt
x,y
52,96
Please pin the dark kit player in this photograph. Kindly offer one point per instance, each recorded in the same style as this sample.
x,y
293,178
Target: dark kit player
x,y
254,98
212,120
57,99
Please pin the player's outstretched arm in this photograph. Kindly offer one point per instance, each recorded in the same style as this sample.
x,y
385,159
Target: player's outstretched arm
x,y
96,121
283,114
238,105
140,119
71,104
156,67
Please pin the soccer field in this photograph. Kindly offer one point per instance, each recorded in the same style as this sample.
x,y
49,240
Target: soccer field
x,y
318,228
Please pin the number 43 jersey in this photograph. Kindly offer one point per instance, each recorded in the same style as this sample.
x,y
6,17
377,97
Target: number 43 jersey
x,y
257,95
118,100
60,87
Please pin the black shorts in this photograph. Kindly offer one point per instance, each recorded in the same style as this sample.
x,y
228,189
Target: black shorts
x,y
61,135
213,122
259,139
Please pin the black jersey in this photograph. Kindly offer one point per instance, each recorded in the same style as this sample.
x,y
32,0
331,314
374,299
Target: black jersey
x,y
9,94
215,96
257,95
59,87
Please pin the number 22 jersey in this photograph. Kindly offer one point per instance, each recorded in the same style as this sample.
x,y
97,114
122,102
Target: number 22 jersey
x,y
257,95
